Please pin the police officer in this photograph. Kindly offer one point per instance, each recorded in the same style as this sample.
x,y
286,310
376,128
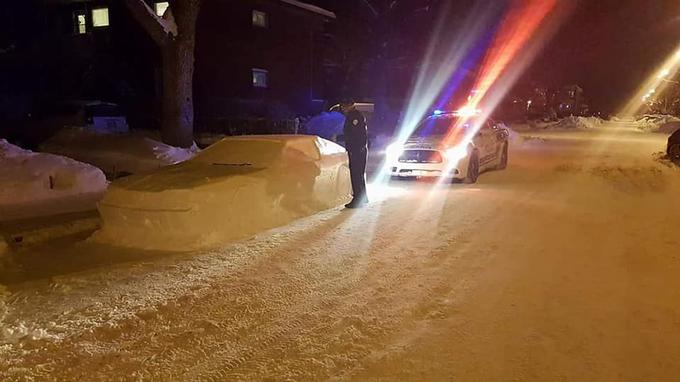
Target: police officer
x,y
356,143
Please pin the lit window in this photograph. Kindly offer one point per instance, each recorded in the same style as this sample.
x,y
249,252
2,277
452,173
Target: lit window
x,y
259,78
259,19
80,22
100,17
160,8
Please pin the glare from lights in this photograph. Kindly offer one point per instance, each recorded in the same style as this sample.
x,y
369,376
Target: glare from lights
x,y
658,81
455,154
438,112
393,151
524,29
468,111
444,56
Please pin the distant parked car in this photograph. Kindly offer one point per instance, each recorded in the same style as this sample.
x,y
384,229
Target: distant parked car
x,y
103,117
116,154
673,149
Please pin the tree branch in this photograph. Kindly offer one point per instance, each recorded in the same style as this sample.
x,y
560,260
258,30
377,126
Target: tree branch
x,y
371,7
161,30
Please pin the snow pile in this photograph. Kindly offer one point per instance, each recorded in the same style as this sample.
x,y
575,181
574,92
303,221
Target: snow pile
x,y
531,125
566,123
327,125
28,178
236,188
578,123
116,154
658,123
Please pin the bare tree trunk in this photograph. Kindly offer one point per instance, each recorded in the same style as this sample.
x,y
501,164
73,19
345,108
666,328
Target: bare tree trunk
x,y
175,34
178,73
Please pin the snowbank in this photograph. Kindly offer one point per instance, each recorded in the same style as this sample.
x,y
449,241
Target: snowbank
x,y
658,123
531,125
578,123
236,188
566,123
116,154
28,179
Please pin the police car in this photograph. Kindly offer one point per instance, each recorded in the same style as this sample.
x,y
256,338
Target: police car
x,y
457,145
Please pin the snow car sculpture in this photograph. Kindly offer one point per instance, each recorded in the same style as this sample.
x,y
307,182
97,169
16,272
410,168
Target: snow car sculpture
x,y
233,189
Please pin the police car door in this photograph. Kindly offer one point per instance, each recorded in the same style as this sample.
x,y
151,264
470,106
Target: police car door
x,y
486,144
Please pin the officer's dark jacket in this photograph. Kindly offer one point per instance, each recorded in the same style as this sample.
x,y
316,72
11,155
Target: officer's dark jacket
x,y
356,137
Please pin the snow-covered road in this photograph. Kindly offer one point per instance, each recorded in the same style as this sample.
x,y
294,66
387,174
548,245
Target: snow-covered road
x,y
563,267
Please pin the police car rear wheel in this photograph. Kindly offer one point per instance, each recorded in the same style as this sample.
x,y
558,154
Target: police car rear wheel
x,y
674,152
473,169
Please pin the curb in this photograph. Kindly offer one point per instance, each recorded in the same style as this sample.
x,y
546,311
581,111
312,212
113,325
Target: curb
x,y
22,234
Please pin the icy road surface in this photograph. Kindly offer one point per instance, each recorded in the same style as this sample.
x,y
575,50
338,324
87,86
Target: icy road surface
x,y
566,267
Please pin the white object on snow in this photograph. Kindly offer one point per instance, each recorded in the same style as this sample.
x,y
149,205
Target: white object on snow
x,y
116,153
28,179
236,188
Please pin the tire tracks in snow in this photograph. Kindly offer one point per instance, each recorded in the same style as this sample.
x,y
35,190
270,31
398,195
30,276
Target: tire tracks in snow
x,y
310,289
390,277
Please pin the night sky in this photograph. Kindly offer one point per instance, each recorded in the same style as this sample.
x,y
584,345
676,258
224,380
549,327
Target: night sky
x,y
608,47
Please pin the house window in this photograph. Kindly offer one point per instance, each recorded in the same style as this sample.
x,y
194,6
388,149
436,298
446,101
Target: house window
x,y
80,22
100,17
259,78
259,19
160,8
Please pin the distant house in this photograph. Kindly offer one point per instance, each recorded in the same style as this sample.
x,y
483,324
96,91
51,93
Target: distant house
x,y
571,101
255,59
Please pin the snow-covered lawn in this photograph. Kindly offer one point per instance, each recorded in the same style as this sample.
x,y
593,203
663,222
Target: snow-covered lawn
x,y
116,154
665,124
34,184
562,267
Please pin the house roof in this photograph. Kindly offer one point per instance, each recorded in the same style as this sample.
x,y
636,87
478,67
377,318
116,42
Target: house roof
x,y
310,8
295,3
